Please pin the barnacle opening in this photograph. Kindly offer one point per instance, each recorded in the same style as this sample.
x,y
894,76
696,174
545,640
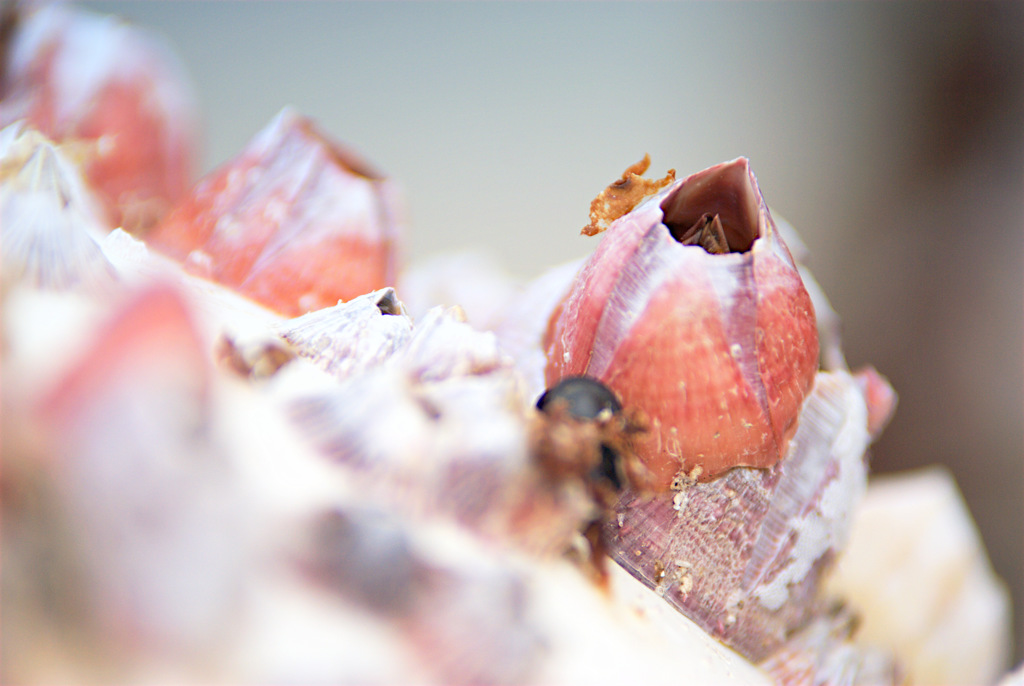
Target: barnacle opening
x,y
717,210
388,303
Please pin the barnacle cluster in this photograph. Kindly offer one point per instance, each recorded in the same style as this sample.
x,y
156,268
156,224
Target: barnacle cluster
x,y
232,452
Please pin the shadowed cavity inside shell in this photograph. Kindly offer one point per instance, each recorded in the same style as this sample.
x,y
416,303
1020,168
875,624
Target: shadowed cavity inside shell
x,y
718,210
388,303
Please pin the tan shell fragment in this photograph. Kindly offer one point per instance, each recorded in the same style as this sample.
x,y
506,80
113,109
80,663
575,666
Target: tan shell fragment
x,y
917,574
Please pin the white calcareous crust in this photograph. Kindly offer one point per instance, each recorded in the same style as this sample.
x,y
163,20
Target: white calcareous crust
x,y
917,573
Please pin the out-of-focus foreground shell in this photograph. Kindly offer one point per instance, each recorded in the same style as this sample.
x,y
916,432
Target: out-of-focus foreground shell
x,y
440,427
50,221
1014,678
824,652
138,473
295,222
916,572
79,76
265,562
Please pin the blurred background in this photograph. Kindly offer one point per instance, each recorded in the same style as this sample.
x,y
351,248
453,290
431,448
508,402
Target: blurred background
x,y
891,135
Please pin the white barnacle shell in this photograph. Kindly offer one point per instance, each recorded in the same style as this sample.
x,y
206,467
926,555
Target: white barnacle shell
x,y
374,329
50,219
442,429
459,606
444,345
352,336
813,505
455,449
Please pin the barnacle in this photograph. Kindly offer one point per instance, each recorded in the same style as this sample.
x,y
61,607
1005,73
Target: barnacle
x,y
718,349
296,221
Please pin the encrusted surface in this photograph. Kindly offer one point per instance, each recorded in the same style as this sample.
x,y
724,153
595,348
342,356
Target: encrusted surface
x,y
741,555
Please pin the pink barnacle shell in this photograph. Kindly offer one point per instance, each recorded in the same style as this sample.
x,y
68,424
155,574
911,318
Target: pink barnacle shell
x,y
296,221
80,76
743,555
693,311
145,481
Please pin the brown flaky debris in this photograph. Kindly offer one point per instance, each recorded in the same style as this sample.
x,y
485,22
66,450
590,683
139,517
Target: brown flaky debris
x,y
623,195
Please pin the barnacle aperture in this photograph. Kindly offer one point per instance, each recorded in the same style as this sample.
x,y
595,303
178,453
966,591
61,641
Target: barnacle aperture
x,y
718,212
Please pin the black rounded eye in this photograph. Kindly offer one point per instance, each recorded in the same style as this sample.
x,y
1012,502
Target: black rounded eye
x,y
586,397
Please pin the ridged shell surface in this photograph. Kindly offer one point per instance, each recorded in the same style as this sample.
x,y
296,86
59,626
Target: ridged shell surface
x,y
741,555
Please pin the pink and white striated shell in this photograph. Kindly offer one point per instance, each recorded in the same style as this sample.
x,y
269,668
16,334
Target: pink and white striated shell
x,y
296,221
442,429
693,311
742,555
79,76
375,329
142,477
